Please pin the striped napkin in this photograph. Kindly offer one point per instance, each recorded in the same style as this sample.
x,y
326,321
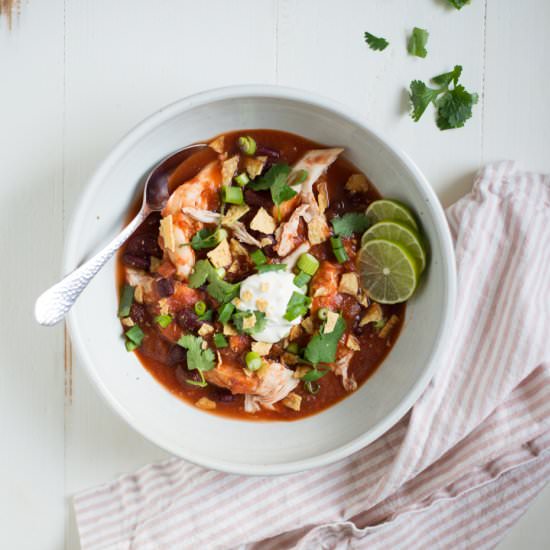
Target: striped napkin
x,y
456,472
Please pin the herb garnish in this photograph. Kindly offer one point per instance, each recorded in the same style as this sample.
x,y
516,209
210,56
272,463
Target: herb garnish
x,y
219,289
352,222
417,42
298,305
375,43
239,317
322,347
197,358
275,179
208,238
454,106
458,4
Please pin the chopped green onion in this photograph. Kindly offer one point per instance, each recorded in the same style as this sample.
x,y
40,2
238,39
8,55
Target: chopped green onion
x,y
200,307
294,348
242,179
298,305
253,360
339,251
302,279
308,263
220,271
258,257
131,346
314,374
322,313
232,194
201,384
247,145
135,334
312,387
271,267
206,316
220,341
163,320
298,177
225,312
126,301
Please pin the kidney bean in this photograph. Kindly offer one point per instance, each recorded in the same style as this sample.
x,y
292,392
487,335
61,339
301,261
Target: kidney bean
x,y
258,198
187,319
176,355
144,244
139,262
273,154
222,395
165,287
139,314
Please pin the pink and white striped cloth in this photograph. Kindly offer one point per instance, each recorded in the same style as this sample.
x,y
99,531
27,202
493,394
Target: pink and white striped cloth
x,y
456,472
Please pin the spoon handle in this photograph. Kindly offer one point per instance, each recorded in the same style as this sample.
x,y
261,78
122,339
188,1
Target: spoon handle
x,y
54,303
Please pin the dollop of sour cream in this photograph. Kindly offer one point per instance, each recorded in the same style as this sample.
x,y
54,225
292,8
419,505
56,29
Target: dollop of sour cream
x,y
270,291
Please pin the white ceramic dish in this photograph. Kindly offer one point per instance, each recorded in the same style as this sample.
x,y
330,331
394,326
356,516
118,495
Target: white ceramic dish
x,y
242,446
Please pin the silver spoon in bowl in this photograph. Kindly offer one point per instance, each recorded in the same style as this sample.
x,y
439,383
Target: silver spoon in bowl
x,y
52,305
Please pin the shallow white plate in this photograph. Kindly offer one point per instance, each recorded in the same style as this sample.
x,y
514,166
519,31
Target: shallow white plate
x,y
243,446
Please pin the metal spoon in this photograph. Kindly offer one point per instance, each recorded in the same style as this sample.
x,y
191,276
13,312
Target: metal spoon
x,y
54,303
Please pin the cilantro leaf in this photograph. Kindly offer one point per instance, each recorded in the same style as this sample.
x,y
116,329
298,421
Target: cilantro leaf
x,y
277,173
445,79
314,374
375,43
417,42
297,305
421,96
208,238
454,108
352,222
322,347
197,358
203,271
458,4
281,192
239,317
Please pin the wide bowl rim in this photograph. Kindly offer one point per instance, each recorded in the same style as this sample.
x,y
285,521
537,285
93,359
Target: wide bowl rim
x,y
71,258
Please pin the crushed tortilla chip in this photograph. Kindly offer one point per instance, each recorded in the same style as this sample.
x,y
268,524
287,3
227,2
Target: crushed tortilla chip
x,y
229,167
353,343
388,327
154,264
330,324
247,295
163,305
128,322
293,401
357,183
262,348
263,222
228,330
363,299
372,315
237,249
235,267
317,230
217,144
307,325
254,166
301,371
234,213
295,332
206,404
221,255
236,302
290,358
249,322
320,292
205,329
138,294
262,305
264,287
166,231
322,198
266,241
349,284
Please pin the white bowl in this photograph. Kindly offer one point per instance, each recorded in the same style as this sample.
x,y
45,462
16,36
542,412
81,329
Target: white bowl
x,y
251,447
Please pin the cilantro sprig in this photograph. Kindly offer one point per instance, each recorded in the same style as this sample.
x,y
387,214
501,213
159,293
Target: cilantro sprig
x,y
454,105
458,4
276,180
297,306
417,42
259,323
197,358
220,290
352,222
322,347
375,43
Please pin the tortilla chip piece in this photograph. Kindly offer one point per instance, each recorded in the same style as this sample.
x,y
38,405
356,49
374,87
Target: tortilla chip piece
x,y
293,401
254,166
228,330
217,144
322,198
262,348
332,319
372,315
317,230
249,322
234,213
166,231
229,167
205,329
349,284
221,255
206,404
388,327
263,222
357,183
353,343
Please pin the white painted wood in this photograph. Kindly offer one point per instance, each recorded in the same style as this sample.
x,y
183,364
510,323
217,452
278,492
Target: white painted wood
x,y
77,74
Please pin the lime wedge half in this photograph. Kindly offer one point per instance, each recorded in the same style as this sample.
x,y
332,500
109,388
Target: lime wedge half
x,y
399,233
388,209
387,272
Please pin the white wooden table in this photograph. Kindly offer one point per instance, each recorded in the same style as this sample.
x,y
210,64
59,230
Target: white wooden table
x,y
75,75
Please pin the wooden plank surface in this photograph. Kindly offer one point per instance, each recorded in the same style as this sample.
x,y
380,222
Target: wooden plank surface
x,y
77,74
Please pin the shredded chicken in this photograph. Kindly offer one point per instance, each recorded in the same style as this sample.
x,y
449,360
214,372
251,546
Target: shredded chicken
x,y
204,216
341,369
241,233
287,233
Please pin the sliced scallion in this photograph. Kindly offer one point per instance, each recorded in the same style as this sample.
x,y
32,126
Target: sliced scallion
x,y
242,179
200,307
253,360
338,249
135,334
131,346
302,279
258,257
163,320
308,263
271,267
126,301
225,312
247,144
322,313
312,387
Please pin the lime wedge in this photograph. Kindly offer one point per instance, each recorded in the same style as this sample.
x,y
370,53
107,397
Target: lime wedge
x,y
387,272
387,209
399,233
